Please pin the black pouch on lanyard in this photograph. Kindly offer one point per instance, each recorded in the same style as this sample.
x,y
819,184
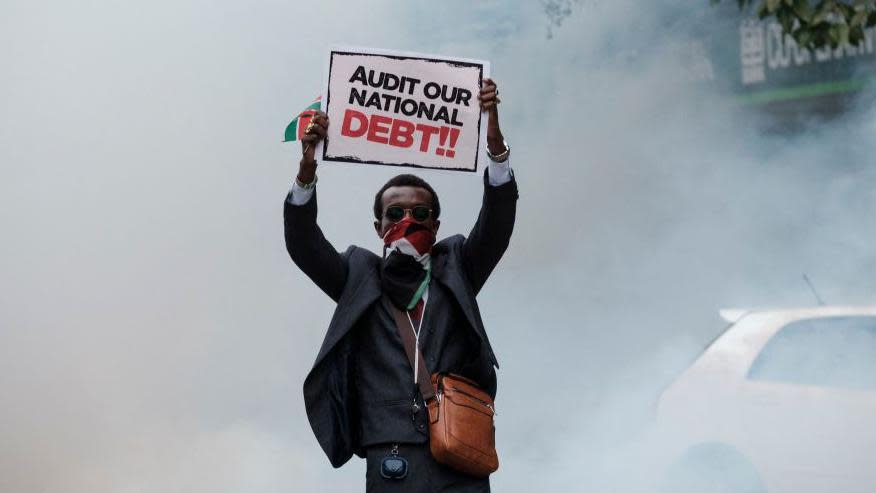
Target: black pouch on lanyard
x,y
393,466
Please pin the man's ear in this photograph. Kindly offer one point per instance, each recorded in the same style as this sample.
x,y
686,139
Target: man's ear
x,y
377,228
436,223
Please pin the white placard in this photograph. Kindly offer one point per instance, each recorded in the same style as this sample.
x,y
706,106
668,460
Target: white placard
x,y
403,109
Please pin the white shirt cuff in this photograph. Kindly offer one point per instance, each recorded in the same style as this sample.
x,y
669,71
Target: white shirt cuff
x,y
300,196
499,173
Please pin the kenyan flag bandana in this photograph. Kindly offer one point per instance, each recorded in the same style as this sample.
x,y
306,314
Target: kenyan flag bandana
x,y
295,129
407,268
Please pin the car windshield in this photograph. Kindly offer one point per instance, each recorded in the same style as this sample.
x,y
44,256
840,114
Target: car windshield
x,y
830,351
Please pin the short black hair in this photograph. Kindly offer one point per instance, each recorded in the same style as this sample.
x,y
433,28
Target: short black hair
x,y
406,180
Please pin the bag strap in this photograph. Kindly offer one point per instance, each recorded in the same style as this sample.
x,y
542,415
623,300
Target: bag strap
x,y
406,331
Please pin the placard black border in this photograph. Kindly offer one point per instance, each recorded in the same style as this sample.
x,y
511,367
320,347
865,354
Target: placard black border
x,y
350,159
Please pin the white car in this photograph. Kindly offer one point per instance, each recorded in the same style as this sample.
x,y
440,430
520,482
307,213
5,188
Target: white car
x,y
782,401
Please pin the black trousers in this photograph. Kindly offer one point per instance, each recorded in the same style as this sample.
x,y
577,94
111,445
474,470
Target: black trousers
x,y
425,475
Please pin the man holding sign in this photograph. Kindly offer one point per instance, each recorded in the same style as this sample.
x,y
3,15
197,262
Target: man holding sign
x,y
359,395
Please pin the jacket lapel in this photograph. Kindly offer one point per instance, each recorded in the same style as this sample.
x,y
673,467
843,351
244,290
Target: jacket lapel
x,y
451,276
364,290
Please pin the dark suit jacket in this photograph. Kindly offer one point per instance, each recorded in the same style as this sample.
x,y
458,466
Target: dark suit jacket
x,y
352,279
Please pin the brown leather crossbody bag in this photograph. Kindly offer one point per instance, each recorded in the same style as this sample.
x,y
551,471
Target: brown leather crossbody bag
x,y
461,430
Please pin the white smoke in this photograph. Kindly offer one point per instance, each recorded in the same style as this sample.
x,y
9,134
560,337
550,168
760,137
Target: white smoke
x,y
154,335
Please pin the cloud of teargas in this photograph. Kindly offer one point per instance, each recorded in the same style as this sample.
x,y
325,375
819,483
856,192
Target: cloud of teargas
x,y
155,335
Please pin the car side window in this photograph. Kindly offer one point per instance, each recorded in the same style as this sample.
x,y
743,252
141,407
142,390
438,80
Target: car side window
x,y
829,352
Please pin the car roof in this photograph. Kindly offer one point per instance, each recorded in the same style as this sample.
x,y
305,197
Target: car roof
x,y
750,329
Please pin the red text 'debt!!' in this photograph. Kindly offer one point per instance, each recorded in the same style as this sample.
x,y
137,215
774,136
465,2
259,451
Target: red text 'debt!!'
x,y
399,133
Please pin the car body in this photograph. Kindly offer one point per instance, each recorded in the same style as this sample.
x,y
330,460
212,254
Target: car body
x,y
782,401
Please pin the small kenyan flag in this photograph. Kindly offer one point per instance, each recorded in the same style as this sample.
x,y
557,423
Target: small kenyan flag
x,y
295,129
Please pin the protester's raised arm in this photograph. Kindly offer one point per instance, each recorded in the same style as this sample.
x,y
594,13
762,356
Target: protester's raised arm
x,y
305,242
489,100
491,233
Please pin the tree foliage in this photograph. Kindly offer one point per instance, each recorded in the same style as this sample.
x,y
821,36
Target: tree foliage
x,y
818,23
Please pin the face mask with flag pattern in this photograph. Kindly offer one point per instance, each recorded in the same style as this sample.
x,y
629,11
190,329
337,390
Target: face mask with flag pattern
x,y
407,262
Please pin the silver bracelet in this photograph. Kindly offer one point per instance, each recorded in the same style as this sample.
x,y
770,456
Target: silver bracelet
x,y
307,186
502,156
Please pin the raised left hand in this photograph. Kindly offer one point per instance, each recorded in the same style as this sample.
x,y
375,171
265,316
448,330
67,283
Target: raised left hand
x,y
489,99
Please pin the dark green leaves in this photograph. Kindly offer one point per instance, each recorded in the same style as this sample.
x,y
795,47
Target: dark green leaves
x,y
817,23
803,10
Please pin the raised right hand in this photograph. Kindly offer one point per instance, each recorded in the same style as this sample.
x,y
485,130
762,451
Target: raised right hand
x,y
314,132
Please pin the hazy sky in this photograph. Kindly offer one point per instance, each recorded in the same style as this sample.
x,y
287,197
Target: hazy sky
x,y
154,335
